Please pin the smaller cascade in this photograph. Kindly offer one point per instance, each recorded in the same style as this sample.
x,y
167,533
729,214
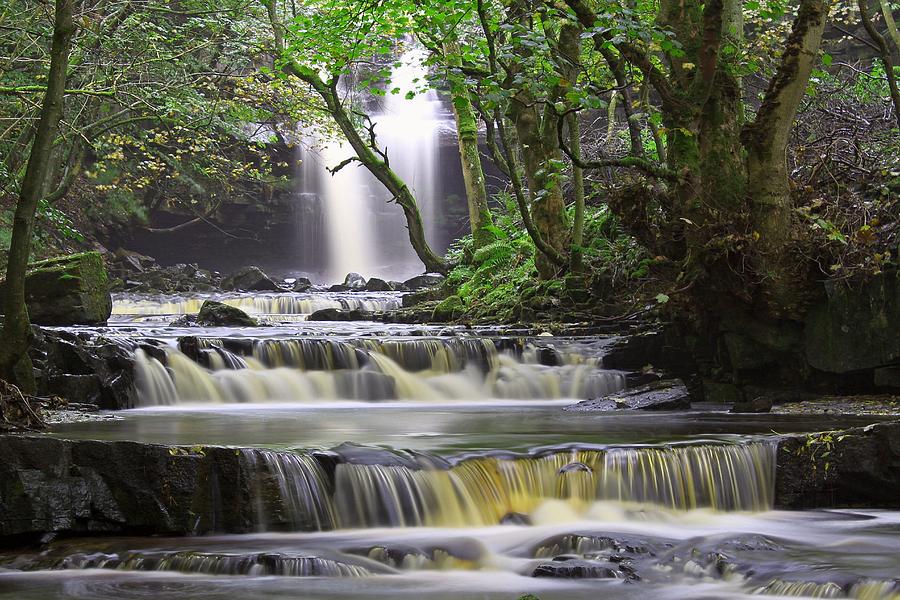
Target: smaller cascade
x,y
254,564
301,499
286,306
486,490
363,370
865,589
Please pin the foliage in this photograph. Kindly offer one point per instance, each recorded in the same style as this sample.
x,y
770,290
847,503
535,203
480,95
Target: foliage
x,y
498,279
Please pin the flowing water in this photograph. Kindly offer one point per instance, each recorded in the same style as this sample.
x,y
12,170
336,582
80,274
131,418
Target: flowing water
x,y
411,462
365,231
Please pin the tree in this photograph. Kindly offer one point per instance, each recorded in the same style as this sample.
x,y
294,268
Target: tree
x,y
15,366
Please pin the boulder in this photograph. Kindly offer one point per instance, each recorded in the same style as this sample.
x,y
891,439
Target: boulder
x,y
448,309
250,279
83,369
422,281
380,285
669,394
575,568
218,314
354,281
50,485
339,287
831,469
134,261
302,284
855,328
68,290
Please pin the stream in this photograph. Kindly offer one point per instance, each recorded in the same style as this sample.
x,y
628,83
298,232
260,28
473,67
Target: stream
x,y
437,463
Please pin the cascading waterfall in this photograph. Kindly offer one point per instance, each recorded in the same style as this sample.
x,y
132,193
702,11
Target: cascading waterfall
x,y
862,590
308,370
357,205
256,564
299,483
262,304
485,490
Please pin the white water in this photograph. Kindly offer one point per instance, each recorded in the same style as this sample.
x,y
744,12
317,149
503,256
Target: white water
x,y
366,231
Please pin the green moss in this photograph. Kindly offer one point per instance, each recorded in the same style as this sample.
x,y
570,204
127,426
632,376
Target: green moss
x,y
448,309
68,290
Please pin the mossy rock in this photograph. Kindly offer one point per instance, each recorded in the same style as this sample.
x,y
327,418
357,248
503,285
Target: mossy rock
x,y
855,328
217,314
448,309
68,290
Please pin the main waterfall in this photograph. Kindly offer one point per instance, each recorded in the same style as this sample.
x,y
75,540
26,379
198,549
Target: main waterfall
x,y
366,233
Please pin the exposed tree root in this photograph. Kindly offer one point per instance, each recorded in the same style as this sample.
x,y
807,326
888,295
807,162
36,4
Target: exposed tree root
x,y
16,410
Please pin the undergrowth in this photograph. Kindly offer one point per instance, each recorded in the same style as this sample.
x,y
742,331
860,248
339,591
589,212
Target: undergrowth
x,y
499,281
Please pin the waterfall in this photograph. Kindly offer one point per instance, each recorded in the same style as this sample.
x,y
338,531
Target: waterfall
x,y
257,564
300,305
366,231
305,370
291,491
486,490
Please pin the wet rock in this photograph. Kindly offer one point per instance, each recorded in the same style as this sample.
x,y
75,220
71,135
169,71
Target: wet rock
x,y
574,568
68,290
547,356
515,518
302,284
83,369
217,314
855,328
340,314
49,485
339,287
756,405
357,454
79,389
448,309
423,281
668,394
855,467
135,261
354,281
380,285
184,321
250,279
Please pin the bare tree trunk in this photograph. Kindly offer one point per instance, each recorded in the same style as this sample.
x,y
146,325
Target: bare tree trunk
x,y
15,337
469,153
885,54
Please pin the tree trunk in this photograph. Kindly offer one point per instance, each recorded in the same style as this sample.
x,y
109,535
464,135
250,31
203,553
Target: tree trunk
x,y
578,185
766,141
540,152
15,337
885,52
890,23
469,152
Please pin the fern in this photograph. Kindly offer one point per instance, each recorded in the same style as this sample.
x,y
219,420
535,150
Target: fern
x,y
497,253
